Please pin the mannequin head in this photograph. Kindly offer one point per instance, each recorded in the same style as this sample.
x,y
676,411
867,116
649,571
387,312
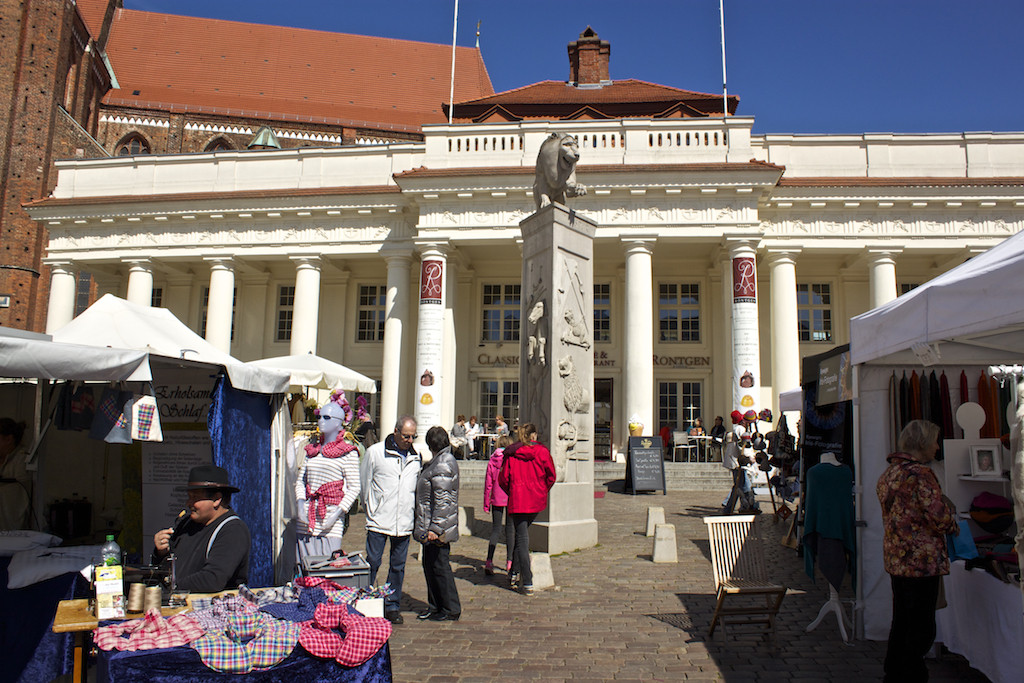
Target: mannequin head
x,y
331,420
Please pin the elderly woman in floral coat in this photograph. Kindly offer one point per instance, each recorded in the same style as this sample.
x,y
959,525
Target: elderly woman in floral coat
x,y
916,517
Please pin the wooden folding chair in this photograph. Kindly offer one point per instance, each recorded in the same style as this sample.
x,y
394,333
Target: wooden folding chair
x,y
737,559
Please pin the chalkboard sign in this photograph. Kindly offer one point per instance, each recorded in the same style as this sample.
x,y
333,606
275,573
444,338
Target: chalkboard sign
x,y
645,466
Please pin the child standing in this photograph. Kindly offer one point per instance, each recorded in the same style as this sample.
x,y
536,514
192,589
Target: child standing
x,y
495,502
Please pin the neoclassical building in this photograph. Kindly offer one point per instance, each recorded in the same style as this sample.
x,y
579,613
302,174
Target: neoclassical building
x,y
270,252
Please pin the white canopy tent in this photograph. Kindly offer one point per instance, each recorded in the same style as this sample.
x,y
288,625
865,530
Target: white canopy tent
x,y
310,370
121,324
966,319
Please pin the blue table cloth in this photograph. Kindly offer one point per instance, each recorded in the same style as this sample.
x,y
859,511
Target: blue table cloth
x,y
183,665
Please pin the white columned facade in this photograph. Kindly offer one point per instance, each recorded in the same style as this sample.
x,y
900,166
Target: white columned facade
x,y
430,372
882,276
140,282
746,346
396,313
220,304
638,373
61,307
784,323
306,316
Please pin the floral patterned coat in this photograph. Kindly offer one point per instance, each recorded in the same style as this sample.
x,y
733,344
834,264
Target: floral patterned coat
x,y
915,517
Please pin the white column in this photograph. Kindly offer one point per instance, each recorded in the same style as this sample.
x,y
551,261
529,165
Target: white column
x,y
882,276
219,306
639,347
61,308
396,316
746,347
429,372
306,316
140,282
784,324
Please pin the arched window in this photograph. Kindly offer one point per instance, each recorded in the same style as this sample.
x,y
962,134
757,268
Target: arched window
x,y
218,145
132,145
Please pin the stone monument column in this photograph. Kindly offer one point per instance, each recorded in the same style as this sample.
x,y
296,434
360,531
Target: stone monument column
x,y
556,376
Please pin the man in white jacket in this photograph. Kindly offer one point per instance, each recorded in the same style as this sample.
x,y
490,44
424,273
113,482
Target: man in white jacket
x,y
388,475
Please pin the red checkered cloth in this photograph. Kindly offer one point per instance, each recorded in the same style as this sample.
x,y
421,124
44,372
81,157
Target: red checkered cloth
x,y
360,638
330,493
148,633
316,582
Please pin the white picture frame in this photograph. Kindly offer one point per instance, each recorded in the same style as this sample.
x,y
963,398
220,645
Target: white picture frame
x,y
985,461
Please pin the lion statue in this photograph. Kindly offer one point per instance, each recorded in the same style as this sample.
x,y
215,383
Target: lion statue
x,y
556,171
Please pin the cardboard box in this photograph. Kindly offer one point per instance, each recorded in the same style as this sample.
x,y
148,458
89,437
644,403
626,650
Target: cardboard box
x,y
110,602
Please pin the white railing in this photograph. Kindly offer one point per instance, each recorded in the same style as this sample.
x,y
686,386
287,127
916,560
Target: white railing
x,y
628,141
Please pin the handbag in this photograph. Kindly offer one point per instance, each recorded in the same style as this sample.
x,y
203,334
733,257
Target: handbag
x,y
146,419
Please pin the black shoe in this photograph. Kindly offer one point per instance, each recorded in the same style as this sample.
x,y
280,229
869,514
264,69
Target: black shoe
x,y
444,616
426,614
394,617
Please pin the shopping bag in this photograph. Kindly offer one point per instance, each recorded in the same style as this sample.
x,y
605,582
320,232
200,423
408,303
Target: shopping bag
x,y
961,546
146,419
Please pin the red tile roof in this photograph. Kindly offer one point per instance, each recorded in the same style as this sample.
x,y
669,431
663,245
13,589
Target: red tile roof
x,y
191,64
624,98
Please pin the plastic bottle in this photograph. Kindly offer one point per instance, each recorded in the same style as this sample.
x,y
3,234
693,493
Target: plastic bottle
x,y
111,551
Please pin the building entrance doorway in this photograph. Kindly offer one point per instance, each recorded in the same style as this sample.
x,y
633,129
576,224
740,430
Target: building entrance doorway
x,y
603,419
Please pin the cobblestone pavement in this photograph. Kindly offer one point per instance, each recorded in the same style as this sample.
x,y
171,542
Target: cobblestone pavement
x,y
615,615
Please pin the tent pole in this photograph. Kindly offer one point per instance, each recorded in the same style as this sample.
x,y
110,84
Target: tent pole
x,y
858,500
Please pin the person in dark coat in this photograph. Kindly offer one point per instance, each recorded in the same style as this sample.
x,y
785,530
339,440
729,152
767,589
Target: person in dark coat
x,y
437,526
527,474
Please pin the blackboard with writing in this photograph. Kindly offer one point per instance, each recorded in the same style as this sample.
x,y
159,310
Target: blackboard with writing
x,y
645,466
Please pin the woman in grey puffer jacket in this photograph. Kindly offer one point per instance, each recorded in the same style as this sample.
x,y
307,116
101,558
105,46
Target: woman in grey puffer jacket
x,y
437,526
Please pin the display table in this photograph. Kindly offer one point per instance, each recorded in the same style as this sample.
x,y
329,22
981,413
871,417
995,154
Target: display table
x,y
183,665
984,622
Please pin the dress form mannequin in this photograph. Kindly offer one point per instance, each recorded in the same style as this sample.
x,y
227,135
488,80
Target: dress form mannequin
x,y
830,458
331,474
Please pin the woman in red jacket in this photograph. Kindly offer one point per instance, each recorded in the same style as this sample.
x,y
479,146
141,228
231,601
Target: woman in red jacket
x,y
527,474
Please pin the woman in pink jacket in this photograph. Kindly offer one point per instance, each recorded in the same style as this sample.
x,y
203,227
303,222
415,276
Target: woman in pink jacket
x,y
527,474
495,502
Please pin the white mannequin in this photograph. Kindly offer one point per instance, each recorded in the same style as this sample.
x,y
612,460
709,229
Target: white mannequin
x,y
330,421
830,458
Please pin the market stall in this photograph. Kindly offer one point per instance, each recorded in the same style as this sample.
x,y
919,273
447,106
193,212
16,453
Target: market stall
x,y
954,326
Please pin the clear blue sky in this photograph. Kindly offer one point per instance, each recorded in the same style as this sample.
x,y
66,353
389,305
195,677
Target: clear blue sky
x,y
799,66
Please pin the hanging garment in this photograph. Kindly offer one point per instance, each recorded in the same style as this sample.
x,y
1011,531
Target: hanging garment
x,y
895,414
946,408
904,402
915,396
926,393
830,514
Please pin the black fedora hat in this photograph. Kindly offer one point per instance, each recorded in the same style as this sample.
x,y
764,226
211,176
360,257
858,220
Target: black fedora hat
x,y
209,477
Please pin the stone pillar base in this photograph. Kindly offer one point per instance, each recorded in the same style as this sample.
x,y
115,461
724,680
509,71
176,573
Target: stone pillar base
x,y
568,522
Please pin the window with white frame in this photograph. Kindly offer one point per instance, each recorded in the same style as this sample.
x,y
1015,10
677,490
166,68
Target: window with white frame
x,y
679,404
678,312
498,397
371,313
814,312
156,299
500,313
206,305
602,312
285,312
83,288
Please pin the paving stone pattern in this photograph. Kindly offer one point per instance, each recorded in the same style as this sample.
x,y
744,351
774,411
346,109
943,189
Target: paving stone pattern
x,y
615,615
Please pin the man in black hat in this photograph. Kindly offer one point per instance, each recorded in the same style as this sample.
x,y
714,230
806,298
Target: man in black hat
x,y
211,545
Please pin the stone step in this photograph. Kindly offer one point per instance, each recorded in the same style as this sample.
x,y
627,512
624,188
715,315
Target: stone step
x,y
679,476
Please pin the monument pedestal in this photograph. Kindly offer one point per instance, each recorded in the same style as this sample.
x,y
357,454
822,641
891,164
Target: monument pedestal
x,y
568,522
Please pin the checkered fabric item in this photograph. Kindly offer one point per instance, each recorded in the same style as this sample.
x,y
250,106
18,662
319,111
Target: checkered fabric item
x,y
316,582
251,642
148,633
303,610
327,494
144,420
214,617
360,637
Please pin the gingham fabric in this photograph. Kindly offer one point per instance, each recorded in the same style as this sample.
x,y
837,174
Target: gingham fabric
x,y
251,642
331,494
316,582
359,637
144,420
214,617
269,596
314,474
148,633
303,610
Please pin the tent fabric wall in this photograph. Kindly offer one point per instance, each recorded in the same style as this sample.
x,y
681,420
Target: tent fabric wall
x,y
239,423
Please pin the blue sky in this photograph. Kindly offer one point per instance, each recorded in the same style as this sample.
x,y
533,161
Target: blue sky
x,y
799,66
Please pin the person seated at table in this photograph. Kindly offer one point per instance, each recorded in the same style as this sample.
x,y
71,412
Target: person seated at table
x,y
458,436
500,427
211,544
473,432
697,429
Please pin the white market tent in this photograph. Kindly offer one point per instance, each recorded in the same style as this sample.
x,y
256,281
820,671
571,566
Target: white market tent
x,y
968,318
310,370
120,324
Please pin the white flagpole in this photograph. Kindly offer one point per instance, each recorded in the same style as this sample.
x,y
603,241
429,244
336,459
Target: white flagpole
x,y
725,89
451,92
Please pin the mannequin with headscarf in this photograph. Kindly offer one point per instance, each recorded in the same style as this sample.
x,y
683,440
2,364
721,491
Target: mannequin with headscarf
x,y
328,482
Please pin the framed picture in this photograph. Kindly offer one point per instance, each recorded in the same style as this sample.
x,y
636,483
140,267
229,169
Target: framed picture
x,y
985,461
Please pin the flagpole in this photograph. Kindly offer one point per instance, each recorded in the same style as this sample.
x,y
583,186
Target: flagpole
x,y
725,89
451,92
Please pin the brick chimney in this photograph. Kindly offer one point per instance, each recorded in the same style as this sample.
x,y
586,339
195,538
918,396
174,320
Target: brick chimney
x,y
588,59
